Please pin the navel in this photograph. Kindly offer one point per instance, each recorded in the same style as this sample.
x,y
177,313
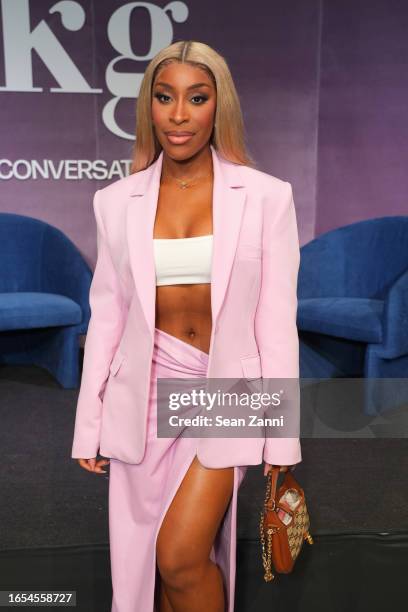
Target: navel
x,y
191,333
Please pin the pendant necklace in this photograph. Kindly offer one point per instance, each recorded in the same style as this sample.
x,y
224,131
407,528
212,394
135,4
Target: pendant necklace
x,y
183,184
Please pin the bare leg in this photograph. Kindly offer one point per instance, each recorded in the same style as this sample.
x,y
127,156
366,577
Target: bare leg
x,y
192,581
165,605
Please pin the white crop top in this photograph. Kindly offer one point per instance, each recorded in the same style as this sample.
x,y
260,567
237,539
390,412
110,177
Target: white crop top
x,y
183,260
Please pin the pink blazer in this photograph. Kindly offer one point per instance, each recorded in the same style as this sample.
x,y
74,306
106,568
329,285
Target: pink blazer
x,y
253,301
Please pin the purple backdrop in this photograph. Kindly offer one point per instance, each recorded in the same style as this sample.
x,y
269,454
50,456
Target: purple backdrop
x,y
322,86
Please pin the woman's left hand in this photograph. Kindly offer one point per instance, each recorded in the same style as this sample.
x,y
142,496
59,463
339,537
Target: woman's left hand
x,y
267,467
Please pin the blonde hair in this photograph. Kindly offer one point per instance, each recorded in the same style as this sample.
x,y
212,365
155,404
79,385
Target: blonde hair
x,y
228,135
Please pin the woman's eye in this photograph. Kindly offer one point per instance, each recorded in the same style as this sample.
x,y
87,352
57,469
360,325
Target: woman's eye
x,y
203,98
160,97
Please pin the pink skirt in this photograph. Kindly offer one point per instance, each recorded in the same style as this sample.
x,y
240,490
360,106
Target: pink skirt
x,y
140,494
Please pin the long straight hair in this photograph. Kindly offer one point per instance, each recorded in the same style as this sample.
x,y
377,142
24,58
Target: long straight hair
x,y
228,133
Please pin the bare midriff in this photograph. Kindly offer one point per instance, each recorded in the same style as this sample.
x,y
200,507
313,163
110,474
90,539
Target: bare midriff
x,y
184,310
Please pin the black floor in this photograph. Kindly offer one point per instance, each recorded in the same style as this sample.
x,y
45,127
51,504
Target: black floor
x,y
54,524
338,573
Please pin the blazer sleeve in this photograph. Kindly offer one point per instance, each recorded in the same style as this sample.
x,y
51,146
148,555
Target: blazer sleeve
x,y
275,318
103,336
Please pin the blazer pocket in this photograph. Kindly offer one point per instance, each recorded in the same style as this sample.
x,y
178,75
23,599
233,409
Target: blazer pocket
x,y
249,251
116,362
251,367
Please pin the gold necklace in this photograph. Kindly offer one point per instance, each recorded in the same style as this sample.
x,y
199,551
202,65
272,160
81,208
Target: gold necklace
x,y
184,184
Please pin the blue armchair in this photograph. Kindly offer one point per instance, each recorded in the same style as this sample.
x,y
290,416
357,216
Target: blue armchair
x,y
353,301
44,297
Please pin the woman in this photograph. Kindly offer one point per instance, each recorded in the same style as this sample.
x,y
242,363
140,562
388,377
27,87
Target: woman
x,y
196,277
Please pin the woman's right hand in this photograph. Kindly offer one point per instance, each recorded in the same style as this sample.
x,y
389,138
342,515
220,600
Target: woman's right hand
x,y
93,465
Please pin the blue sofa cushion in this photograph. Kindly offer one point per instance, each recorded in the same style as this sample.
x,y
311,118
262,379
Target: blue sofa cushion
x,y
345,317
27,310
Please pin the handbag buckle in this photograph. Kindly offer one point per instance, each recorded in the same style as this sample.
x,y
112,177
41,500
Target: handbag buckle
x,y
271,505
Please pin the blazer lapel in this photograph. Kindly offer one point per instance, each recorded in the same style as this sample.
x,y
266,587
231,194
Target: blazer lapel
x,y
229,194
141,214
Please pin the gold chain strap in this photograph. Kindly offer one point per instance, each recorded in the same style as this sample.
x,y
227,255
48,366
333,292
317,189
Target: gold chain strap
x,y
267,555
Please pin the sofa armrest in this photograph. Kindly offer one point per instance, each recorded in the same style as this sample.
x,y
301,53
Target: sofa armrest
x,y
64,271
395,320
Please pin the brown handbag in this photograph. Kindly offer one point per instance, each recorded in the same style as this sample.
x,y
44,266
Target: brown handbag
x,y
284,524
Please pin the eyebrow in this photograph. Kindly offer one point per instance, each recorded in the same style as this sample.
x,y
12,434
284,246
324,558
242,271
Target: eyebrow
x,y
193,86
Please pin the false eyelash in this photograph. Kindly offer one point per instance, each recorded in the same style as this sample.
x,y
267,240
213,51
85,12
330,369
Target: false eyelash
x,y
159,95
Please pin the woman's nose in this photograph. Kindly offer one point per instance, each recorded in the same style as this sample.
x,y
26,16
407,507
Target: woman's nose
x,y
180,113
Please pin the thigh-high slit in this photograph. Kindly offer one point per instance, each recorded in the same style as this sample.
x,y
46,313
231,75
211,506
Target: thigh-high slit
x,y
140,494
